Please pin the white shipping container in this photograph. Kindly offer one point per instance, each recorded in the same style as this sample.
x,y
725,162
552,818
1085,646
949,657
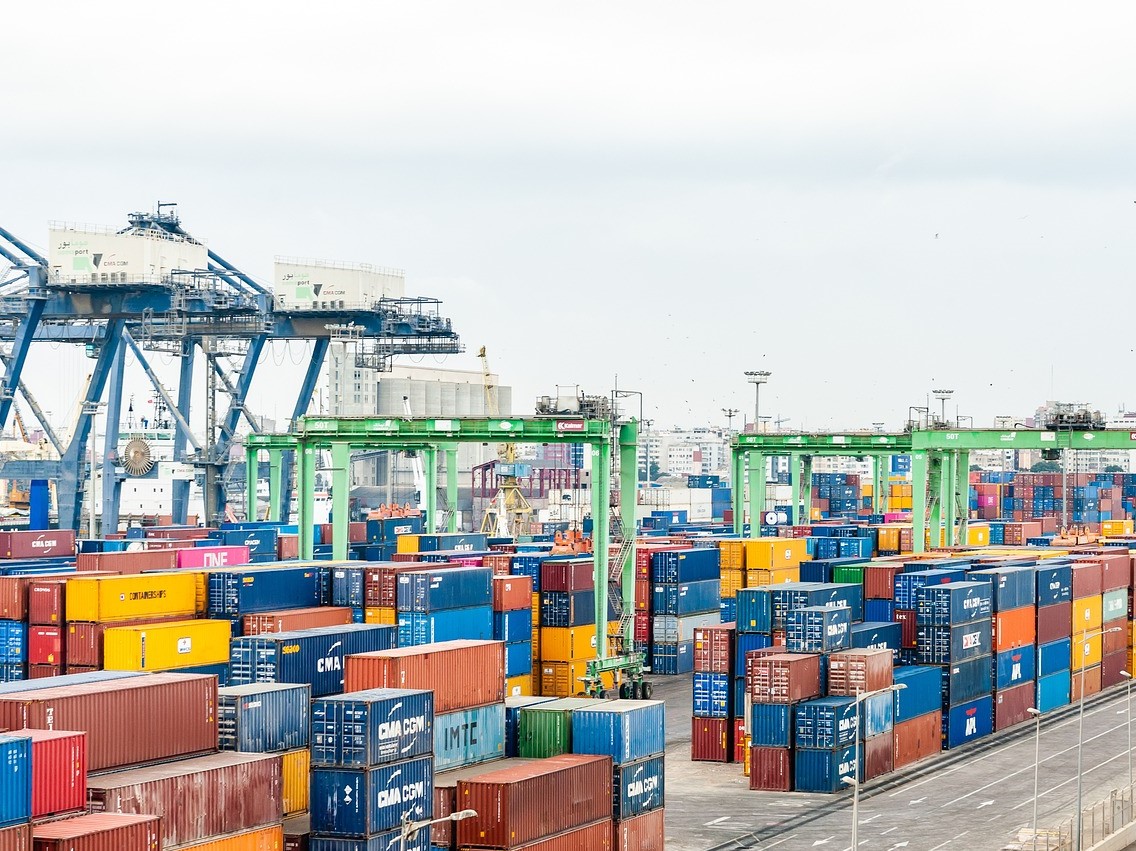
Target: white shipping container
x,y
80,254
326,285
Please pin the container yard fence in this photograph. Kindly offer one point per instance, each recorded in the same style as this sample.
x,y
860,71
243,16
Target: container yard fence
x,y
1098,822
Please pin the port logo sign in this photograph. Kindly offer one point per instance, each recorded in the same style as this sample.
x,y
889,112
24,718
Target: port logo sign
x,y
563,426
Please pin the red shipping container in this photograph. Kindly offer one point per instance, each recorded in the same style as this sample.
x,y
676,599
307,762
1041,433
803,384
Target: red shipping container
x,y
878,757
916,739
1112,664
527,802
59,771
785,678
1087,579
751,660
197,798
134,561
287,547
859,670
119,716
740,755
99,832
1014,628
45,601
380,583
714,648
462,673
778,637
567,576
1092,683
712,739
1010,705
502,563
596,835
37,544
646,832
290,619
879,582
178,533
908,628
643,592
1115,642
84,643
79,669
642,626
512,593
1054,622
14,596
771,769
357,532
327,532
196,558
1115,569
45,645
41,672
16,838
407,557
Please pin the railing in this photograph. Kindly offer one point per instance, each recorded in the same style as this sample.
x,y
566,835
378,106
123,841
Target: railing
x,y
1098,822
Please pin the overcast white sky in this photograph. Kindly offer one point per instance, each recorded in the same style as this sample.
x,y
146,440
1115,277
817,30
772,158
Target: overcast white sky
x,y
867,199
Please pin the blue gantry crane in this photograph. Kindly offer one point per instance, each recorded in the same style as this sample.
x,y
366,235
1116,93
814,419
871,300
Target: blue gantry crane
x,y
217,312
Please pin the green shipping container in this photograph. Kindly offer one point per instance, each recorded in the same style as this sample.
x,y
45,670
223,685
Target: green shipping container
x,y
848,574
1114,605
545,730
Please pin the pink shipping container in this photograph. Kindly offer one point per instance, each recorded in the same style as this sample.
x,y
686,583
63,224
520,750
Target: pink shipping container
x,y
99,832
877,757
785,678
1010,705
290,619
129,721
771,769
196,798
711,739
45,601
17,838
128,562
37,544
462,673
642,833
593,837
852,671
916,739
59,771
196,558
536,800
714,648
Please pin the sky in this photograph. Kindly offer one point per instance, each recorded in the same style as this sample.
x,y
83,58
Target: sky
x,y
868,200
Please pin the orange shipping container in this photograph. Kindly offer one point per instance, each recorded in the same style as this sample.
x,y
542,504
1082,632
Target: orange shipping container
x,y
731,582
511,593
1014,628
732,554
1092,683
270,838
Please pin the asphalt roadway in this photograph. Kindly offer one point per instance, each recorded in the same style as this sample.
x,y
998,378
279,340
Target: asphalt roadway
x,y
976,797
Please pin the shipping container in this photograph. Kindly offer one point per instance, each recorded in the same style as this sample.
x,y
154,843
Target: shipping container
x,y
876,757
430,589
876,635
1015,628
511,593
1054,622
295,788
1086,681
953,603
965,681
565,644
313,656
233,592
386,841
1053,690
14,595
545,729
641,833
15,780
44,645
877,715
99,832
196,798
771,769
16,838
1054,584
164,646
358,802
772,725
367,728
638,787
921,693
672,629
34,544
513,707
785,678
714,648
712,739
1054,656
1013,667
567,575
567,608
746,643
124,598
858,670
118,716
59,771
269,838
1010,705
196,558
713,695
469,736
416,628
1013,587
826,723
535,800
968,721
823,770
263,717
1088,579
290,620
818,629
47,601
916,738
692,565
755,610
625,730
943,645
461,673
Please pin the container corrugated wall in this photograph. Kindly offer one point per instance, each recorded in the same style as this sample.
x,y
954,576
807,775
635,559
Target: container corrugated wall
x,y
368,728
121,598
469,736
15,780
263,717
16,838
270,838
625,730
352,802
642,833
160,647
295,768
100,832
59,771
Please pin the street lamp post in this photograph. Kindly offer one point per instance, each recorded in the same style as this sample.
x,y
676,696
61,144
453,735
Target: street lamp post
x,y
757,377
1128,708
1036,713
854,780
943,396
1085,636
409,829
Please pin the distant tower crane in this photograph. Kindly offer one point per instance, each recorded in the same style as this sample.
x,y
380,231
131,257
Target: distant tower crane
x,y
509,511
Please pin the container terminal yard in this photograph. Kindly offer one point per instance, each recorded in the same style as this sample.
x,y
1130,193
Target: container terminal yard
x,y
921,654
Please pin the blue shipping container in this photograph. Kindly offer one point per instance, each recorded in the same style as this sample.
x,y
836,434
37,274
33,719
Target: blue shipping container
x,y
637,787
261,542
669,659
387,841
368,728
452,588
877,635
877,715
625,730
728,610
963,682
513,707
1014,667
13,642
740,697
518,658
263,717
816,629
827,723
968,721
745,643
817,770
1054,584
358,802
242,591
1014,587
712,695
313,656
415,628
755,610
880,611
389,528
953,603
469,736
1054,656
771,725
1054,690
15,780
694,565
923,691
347,586
943,645
908,584
567,608
512,627
686,599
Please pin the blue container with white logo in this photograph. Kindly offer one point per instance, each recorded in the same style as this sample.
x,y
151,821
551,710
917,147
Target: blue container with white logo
x,y
922,692
687,598
15,780
754,610
968,721
263,717
359,802
877,715
1013,587
452,588
907,585
13,642
1054,656
262,542
1015,666
513,707
373,727
415,628
877,635
953,603
771,725
681,566
712,697
944,645
816,770
746,642
241,591
817,629
1054,584
514,626
389,528
827,723
638,787
963,682
1054,690
518,658
469,736
313,656
625,730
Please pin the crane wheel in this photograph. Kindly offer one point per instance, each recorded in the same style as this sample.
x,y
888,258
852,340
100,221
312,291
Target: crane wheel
x,y
645,690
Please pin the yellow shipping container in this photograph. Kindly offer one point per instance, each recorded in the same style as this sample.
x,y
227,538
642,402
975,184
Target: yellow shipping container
x,y
295,770
519,686
165,646
888,538
732,582
1117,528
977,535
1086,654
755,578
565,679
766,553
815,514
270,838
381,614
732,554
406,544
1131,634
123,598
745,762
1087,615
567,644
867,489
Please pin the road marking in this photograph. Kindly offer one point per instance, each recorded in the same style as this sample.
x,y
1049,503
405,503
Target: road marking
x,y
886,832
1065,782
716,821
949,841
870,818
778,842
985,804
824,841
917,801
902,844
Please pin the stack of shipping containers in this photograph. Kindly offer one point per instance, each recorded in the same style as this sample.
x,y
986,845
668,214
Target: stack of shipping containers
x,y
714,710
1054,631
567,624
1014,638
513,626
685,595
